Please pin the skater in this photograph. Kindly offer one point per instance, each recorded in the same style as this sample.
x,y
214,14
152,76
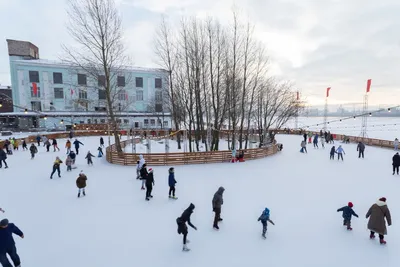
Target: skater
x,y
68,146
347,213
360,149
7,243
149,184
68,162
303,147
48,145
100,152
56,167
76,144
264,218
38,139
101,142
309,137
44,140
16,144
315,141
332,153
33,149
143,175
142,161
137,170
24,145
55,145
217,203
340,152
395,163
171,182
396,144
377,214
305,137
3,157
81,184
89,157
322,141
73,156
71,134
182,227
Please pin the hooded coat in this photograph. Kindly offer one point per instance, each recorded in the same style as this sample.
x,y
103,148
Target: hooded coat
x,y
360,147
3,155
333,151
185,217
396,160
377,214
264,217
218,200
81,181
171,179
6,237
347,213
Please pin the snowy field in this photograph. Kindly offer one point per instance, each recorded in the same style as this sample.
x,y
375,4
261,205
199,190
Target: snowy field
x,y
114,225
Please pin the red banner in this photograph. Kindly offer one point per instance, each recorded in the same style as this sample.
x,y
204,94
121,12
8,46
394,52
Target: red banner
x,y
34,89
327,91
369,85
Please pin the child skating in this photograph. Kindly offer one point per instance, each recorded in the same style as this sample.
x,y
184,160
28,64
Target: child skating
x,y
81,184
171,183
347,213
89,157
264,218
332,153
68,162
182,227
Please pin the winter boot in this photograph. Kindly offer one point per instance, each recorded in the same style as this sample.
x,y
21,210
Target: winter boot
x,y
6,167
84,193
142,188
79,194
371,236
382,242
220,219
216,227
185,248
147,198
263,236
151,196
349,228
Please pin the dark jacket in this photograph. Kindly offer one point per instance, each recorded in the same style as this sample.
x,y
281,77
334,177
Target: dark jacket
x,y
6,238
396,160
72,155
101,141
333,150
185,217
33,149
54,142
143,173
3,154
81,181
218,199
150,179
347,212
171,179
77,143
360,147
89,156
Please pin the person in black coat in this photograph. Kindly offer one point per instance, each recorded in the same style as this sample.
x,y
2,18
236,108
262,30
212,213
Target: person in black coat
x,y
360,149
7,243
3,157
149,184
305,137
396,163
332,153
143,175
182,227
55,145
76,144
101,142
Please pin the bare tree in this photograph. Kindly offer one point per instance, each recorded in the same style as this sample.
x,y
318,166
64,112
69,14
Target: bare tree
x,y
95,25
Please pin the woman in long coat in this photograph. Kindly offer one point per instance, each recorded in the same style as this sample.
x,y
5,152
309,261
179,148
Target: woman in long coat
x,y
377,214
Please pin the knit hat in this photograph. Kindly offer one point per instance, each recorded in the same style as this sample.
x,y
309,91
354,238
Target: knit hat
x,y
382,199
3,222
350,204
150,170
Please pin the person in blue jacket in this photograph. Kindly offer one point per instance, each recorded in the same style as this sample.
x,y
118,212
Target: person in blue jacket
x,y
76,144
7,243
347,213
264,218
340,152
332,153
315,141
171,182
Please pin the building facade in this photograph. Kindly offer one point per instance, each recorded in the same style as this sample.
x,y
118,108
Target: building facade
x,y
49,87
6,101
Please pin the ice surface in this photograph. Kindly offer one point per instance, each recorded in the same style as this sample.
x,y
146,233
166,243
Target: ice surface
x,y
114,225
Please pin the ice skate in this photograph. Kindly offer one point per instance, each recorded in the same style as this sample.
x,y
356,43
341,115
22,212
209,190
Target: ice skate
x,y
382,242
147,199
79,194
142,188
185,248
371,236
263,236
151,196
220,219
216,227
84,193
349,228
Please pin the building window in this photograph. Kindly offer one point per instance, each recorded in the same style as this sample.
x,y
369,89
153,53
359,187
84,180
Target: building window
x,y
102,94
100,109
121,81
126,121
57,78
122,95
58,93
146,122
139,95
81,122
82,94
33,76
37,94
36,105
101,80
158,82
139,82
159,108
89,121
95,121
158,96
102,120
165,123
82,79
118,120
152,122
136,124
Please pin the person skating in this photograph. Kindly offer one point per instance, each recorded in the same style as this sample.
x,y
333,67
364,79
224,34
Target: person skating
x,y
68,146
56,167
396,144
217,203
377,214
396,163
264,218
7,243
3,157
360,149
347,213
89,157
305,137
143,175
315,141
81,184
149,184
44,140
340,152
24,145
38,139
68,162
33,149
182,227
101,142
309,137
332,153
322,141
48,145
16,144
55,145
77,144
171,182
73,156
142,161
303,147
100,154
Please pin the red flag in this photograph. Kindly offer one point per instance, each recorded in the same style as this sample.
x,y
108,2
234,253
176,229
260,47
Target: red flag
x,y
298,96
369,85
72,91
327,91
35,89
126,96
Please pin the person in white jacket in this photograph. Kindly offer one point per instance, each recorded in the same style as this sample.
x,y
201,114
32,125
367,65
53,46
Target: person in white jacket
x,y
139,166
322,141
396,144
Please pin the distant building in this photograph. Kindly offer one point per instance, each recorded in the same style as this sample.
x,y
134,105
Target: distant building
x,y
6,100
47,87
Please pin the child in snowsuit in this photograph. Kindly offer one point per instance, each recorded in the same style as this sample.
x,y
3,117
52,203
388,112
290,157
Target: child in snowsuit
x,y
171,182
182,227
303,147
56,167
100,152
33,150
149,184
332,153
81,184
347,213
89,158
68,162
264,218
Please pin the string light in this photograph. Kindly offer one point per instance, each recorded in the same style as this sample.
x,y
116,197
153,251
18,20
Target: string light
x,y
62,121
389,110
26,111
45,117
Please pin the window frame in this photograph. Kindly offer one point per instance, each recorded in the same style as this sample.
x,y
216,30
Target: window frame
x,y
141,94
57,80
38,95
82,76
136,82
55,95
156,80
31,76
120,81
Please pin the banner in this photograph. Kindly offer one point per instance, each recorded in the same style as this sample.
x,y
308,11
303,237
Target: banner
x,y
35,89
369,85
327,91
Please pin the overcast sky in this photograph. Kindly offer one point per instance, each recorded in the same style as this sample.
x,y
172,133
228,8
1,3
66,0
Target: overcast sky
x,y
314,43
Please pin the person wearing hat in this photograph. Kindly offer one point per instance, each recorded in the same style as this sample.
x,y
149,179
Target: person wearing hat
x,y
182,227
81,183
171,182
149,184
7,243
217,203
264,218
347,213
377,214
396,163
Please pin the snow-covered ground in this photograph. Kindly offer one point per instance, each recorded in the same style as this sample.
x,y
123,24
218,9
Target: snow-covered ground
x,y
114,225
